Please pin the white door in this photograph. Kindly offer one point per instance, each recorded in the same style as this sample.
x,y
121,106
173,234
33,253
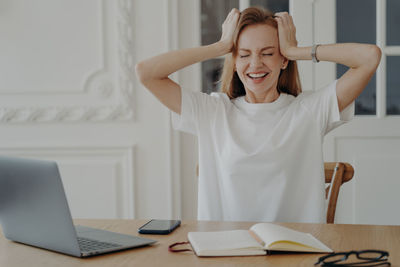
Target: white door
x,y
371,142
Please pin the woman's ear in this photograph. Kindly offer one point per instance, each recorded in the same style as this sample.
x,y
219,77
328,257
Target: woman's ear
x,y
285,63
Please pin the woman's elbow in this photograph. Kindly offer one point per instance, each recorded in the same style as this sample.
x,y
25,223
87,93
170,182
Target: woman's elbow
x,y
140,70
374,55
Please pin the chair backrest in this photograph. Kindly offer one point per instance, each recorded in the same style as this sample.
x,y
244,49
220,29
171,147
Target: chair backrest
x,y
336,174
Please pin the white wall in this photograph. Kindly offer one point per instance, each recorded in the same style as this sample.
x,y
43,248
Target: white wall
x,y
69,93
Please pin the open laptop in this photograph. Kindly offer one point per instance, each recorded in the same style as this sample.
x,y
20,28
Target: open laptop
x,y
34,211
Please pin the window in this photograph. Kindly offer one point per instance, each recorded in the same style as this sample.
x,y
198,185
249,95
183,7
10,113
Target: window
x,y
354,25
393,57
371,24
213,14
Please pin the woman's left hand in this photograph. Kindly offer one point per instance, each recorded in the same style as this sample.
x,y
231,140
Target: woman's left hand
x,y
286,33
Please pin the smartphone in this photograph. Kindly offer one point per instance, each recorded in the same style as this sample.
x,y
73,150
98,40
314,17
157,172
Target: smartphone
x,y
159,227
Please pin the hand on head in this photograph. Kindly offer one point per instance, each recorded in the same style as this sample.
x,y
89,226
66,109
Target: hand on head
x,y
286,33
228,29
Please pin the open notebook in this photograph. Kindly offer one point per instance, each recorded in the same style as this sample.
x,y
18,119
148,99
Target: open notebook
x,y
261,237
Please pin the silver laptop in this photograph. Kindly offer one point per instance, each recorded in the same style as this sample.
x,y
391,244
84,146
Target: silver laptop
x,y
34,211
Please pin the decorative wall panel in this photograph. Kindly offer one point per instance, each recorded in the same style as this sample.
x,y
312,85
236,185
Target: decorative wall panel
x,y
99,182
66,61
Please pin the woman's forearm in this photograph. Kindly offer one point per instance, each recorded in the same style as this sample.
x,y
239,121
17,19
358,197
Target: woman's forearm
x,y
161,66
352,55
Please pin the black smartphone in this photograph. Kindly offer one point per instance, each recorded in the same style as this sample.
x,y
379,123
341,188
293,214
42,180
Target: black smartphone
x,y
159,227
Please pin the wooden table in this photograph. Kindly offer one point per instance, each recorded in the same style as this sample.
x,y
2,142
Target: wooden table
x,y
337,237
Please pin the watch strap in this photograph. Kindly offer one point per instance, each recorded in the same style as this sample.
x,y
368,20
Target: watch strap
x,y
314,53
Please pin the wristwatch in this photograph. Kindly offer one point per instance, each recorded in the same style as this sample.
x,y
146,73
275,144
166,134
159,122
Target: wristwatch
x,y
314,53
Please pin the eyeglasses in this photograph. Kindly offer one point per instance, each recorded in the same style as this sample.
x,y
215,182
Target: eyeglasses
x,y
365,257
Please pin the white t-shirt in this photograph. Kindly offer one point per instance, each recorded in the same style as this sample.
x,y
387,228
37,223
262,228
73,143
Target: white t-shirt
x,y
261,162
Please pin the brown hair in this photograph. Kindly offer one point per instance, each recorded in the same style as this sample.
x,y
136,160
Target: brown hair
x,y
288,81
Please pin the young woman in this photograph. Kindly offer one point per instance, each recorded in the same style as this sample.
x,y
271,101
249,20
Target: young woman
x,y
260,141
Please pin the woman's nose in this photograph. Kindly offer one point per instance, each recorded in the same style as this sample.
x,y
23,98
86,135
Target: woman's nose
x,y
256,61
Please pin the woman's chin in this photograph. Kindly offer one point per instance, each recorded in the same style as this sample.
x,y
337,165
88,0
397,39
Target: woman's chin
x,y
257,89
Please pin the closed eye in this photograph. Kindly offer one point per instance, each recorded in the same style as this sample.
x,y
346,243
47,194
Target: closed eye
x,y
268,54
242,56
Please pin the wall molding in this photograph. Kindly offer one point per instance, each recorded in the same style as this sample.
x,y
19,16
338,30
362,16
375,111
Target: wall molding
x,y
121,156
173,137
101,100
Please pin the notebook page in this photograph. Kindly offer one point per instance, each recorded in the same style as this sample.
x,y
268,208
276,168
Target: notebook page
x,y
223,240
271,233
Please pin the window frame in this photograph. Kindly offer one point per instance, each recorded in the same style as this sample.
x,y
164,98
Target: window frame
x,y
381,74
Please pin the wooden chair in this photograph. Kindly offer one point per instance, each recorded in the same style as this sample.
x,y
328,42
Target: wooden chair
x,y
336,174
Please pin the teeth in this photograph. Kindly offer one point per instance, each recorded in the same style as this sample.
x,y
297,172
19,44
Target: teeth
x,y
257,75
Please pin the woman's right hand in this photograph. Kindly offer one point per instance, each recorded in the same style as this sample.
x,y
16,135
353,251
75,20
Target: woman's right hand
x,y
228,29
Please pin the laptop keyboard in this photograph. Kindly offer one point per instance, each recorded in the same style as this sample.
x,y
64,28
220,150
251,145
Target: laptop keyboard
x,y
87,244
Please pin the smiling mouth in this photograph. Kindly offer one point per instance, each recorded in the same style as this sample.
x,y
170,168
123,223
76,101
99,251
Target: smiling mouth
x,y
256,76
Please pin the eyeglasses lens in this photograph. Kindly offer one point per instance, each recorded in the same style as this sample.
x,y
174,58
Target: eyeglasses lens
x,y
335,258
370,255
